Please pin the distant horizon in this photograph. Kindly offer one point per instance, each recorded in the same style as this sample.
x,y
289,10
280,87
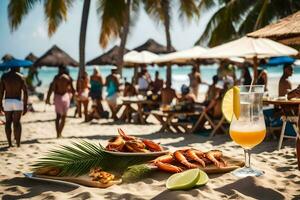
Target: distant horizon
x,y
31,36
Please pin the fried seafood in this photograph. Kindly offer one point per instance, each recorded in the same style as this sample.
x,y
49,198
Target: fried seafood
x,y
101,176
127,143
187,159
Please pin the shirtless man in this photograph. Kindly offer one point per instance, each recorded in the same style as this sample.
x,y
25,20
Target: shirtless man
x,y
11,87
157,84
61,86
284,84
167,95
195,80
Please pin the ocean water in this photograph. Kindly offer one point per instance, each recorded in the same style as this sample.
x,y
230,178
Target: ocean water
x,y
179,74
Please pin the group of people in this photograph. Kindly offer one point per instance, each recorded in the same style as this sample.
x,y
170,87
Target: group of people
x,y
14,91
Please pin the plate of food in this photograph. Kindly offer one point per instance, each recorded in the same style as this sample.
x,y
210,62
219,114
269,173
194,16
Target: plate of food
x,y
211,162
127,145
95,178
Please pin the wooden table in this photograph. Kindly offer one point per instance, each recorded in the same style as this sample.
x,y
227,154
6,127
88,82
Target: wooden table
x,y
169,122
285,105
129,108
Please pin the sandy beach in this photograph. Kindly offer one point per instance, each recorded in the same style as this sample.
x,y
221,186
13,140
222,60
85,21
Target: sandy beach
x,y
281,179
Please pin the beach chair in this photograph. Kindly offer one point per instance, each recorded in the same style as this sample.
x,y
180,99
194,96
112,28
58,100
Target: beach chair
x,y
202,116
218,124
288,119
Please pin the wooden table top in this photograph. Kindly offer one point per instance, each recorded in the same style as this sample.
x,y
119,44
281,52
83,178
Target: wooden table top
x,y
171,112
282,101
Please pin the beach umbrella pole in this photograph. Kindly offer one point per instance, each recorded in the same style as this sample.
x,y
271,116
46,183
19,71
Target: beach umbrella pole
x,y
255,65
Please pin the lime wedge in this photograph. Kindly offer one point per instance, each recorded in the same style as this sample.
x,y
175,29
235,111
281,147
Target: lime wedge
x,y
231,103
203,179
184,180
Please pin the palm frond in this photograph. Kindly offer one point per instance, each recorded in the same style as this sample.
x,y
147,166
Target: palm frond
x,y
188,10
80,157
17,10
206,5
235,18
154,9
111,13
261,14
217,20
56,12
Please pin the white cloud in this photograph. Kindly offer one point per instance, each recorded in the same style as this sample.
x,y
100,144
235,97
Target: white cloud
x,y
40,32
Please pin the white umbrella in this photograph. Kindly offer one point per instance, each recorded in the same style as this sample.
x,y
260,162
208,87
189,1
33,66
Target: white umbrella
x,y
138,59
143,57
181,57
247,47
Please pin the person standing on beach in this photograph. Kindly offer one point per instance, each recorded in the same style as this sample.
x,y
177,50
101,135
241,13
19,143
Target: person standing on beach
x,y
12,86
61,86
82,88
195,80
284,84
96,82
112,87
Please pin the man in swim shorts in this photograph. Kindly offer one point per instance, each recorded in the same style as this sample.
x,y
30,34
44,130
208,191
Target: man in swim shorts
x,y
62,87
12,86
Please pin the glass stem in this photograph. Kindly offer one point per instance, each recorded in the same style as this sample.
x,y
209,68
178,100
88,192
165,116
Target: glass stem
x,y
247,158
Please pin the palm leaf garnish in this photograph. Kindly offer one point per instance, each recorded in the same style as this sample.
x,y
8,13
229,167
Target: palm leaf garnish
x,y
79,157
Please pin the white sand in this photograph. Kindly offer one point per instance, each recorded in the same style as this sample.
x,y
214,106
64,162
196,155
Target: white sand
x,y
281,179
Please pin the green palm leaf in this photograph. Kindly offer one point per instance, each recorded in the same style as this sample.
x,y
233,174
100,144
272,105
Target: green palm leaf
x,y
17,10
78,158
235,18
56,12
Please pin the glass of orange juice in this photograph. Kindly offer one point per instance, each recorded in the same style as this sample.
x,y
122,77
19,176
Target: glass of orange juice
x,y
248,129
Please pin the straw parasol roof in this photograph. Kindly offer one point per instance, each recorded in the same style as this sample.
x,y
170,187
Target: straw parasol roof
x,y
7,57
56,57
31,57
154,47
247,47
181,57
108,58
286,30
137,58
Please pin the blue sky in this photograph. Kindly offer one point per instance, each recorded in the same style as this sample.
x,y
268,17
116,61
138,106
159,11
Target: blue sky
x,y
32,36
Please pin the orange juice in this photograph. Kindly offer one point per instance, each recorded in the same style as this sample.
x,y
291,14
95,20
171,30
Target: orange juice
x,y
248,138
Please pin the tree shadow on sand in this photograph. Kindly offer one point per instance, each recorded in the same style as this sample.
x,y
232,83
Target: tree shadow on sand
x,y
251,188
34,187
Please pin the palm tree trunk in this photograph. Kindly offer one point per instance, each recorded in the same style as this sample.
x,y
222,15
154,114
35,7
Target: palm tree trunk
x,y
166,8
124,35
82,37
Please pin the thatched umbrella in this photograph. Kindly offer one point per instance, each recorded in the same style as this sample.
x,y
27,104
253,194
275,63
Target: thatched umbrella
x,y
31,57
56,57
154,47
286,30
108,58
7,57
